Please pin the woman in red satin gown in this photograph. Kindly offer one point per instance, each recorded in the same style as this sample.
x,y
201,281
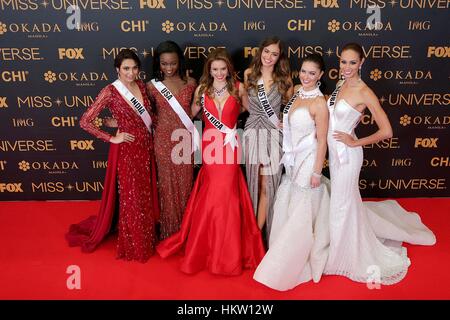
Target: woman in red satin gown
x,y
132,159
219,230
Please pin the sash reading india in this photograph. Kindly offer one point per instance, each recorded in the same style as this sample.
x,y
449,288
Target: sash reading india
x,y
265,104
137,106
178,109
230,134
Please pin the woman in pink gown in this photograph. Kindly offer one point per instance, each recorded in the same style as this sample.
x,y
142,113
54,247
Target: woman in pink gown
x,y
219,230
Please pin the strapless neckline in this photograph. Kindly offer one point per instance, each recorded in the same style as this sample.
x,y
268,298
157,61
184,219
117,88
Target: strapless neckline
x,y
349,105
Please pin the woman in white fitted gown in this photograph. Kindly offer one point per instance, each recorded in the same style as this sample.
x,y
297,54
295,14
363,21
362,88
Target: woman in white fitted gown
x,y
299,237
365,238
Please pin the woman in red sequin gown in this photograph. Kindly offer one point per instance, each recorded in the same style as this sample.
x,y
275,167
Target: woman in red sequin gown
x,y
219,230
174,179
138,201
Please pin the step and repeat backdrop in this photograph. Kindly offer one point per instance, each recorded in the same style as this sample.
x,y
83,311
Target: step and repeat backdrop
x,y
55,58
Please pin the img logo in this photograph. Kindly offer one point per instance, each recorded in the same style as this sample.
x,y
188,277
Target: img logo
x,y
254,25
419,25
22,122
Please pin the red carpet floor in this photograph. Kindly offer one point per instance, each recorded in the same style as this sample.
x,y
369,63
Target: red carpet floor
x,y
34,258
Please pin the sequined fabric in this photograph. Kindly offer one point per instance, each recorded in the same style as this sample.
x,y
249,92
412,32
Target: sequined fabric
x,y
263,143
138,200
174,180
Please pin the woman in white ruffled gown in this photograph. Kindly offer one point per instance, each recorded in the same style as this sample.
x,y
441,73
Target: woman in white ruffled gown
x,y
365,238
299,236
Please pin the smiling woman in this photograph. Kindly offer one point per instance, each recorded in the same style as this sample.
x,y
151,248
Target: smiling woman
x,y
131,160
268,82
365,237
219,230
171,93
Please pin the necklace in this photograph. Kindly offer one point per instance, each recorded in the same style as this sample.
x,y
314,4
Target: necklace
x,y
219,92
309,94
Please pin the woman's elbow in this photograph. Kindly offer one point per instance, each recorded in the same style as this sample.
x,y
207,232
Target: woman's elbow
x,y
387,134
84,123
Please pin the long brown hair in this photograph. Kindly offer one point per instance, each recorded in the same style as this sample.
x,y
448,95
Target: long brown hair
x,y
206,80
281,72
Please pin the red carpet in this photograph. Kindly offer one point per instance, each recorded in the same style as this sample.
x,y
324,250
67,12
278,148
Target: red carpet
x,y
34,257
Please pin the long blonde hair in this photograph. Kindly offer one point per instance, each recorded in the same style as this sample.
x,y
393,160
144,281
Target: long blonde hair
x,y
281,72
206,80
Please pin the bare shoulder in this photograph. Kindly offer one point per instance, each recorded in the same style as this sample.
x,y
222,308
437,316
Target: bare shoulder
x,y
320,104
367,94
149,85
197,90
247,73
322,101
191,81
297,87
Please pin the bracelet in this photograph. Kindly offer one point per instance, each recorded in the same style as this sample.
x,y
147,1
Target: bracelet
x,y
317,175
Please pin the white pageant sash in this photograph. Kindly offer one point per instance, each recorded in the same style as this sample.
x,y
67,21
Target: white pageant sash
x,y
137,106
307,143
264,102
332,99
341,148
287,159
230,134
303,148
178,109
